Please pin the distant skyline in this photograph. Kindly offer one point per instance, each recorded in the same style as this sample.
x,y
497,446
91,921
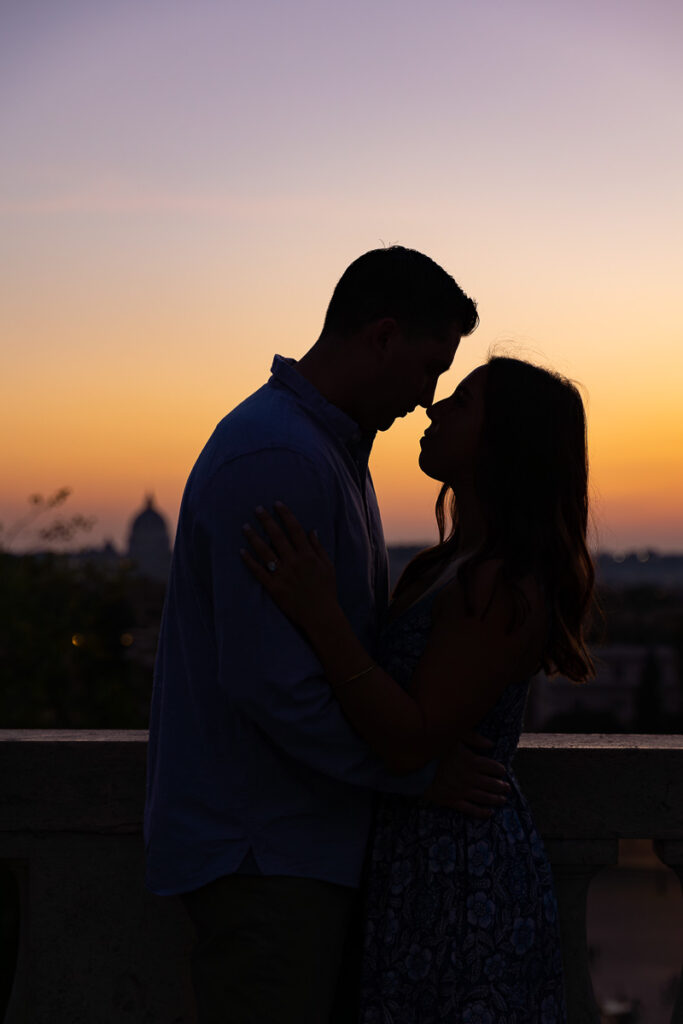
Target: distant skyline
x,y
182,185
116,530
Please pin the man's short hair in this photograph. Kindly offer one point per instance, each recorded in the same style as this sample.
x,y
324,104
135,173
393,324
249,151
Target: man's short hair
x,y
403,284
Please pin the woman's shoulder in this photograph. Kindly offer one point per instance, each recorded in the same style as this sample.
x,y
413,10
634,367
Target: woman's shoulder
x,y
410,593
486,592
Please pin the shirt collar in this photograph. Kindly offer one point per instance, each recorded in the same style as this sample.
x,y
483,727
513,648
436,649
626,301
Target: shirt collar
x,y
342,426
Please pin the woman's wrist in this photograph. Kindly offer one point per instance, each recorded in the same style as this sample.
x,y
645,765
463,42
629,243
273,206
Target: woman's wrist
x,y
356,675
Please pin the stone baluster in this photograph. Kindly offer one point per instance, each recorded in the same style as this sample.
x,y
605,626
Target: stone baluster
x,y
13,875
575,863
670,852
95,947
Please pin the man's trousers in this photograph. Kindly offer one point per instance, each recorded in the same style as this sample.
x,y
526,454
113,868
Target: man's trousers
x,y
275,950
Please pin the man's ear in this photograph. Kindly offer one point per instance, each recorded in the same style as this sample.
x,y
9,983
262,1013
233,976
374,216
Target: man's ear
x,y
381,335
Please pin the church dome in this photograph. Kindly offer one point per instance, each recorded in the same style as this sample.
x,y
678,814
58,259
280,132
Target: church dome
x,y
149,545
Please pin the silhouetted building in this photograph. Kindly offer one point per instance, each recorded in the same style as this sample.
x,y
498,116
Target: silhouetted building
x,y
149,544
639,569
636,688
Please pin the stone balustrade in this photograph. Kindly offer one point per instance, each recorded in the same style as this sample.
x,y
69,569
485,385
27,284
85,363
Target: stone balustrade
x,y
95,948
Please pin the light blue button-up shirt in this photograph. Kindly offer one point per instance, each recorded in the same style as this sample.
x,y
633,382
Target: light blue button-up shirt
x,y
249,753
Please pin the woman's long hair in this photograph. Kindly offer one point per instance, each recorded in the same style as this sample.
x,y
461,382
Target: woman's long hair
x,y
532,482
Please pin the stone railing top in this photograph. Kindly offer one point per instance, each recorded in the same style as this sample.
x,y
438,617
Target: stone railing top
x,y
74,735
599,741
579,786
529,740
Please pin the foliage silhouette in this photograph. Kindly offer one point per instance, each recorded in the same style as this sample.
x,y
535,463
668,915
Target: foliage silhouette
x,y
60,530
64,631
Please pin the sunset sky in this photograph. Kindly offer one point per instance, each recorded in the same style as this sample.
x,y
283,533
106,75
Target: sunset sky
x,y
182,184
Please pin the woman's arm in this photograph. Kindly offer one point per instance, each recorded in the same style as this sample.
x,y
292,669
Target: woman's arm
x,y
468,659
303,586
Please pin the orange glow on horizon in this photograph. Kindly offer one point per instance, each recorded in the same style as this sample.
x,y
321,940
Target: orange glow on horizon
x,y
115,434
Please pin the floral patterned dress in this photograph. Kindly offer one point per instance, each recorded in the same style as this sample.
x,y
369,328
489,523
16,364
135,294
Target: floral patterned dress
x,y
461,917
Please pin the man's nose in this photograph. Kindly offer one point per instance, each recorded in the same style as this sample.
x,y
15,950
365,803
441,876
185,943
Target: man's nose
x,y
427,396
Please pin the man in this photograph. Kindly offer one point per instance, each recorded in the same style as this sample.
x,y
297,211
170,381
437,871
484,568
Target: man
x,y
259,793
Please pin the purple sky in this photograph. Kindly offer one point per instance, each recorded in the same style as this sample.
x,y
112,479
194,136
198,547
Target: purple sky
x,y
182,184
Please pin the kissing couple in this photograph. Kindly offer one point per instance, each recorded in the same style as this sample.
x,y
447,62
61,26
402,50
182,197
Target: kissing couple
x,y
329,785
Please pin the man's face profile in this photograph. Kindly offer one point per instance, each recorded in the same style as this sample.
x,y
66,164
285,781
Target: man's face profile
x,y
410,371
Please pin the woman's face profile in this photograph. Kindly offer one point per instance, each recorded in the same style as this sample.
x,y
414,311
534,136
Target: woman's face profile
x,y
450,445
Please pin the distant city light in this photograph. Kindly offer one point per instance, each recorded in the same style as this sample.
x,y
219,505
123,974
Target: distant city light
x,y
126,639
78,639
619,556
643,556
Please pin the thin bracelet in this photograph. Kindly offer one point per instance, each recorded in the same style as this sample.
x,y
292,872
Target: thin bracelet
x,y
356,675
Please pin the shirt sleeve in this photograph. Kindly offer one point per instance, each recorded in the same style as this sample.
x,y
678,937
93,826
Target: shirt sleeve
x,y
267,670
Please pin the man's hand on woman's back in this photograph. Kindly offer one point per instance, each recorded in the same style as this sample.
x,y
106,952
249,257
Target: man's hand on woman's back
x,y
469,781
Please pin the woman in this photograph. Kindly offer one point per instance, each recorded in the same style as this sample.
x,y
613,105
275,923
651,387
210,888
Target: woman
x,y
461,916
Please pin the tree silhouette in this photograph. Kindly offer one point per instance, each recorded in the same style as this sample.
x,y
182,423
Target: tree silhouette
x,y
61,530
